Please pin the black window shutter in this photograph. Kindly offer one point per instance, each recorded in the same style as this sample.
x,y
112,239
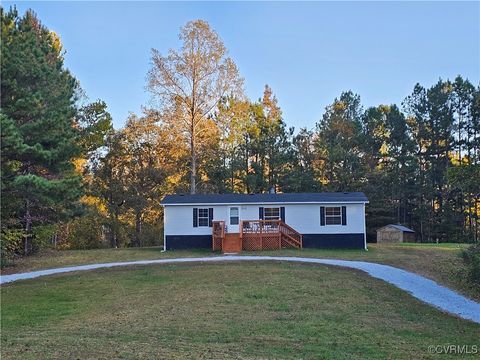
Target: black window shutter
x,y
260,213
282,213
195,217
210,216
344,215
322,215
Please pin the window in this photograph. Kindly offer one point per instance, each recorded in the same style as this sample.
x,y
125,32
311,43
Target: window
x,y
203,217
333,215
271,213
234,219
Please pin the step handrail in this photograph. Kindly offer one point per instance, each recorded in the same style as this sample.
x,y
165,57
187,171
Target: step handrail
x,y
292,230
289,227
299,241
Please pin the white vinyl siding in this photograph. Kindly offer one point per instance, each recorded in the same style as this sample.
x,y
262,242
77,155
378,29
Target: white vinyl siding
x,y
302,217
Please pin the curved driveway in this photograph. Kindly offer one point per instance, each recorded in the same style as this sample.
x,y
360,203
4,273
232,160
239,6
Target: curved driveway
x,y
423,289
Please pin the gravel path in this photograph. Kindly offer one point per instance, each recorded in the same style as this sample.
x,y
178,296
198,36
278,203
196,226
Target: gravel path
x,y
423,289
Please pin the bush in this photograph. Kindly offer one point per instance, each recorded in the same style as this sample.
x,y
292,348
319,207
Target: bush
x,y
11,244
85,232
471,258
42,237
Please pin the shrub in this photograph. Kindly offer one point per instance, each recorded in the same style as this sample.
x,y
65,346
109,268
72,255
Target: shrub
x,y
42,237
11,244
471,258
85,232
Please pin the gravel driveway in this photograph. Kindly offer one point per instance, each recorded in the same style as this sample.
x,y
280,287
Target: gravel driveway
x,y
422,288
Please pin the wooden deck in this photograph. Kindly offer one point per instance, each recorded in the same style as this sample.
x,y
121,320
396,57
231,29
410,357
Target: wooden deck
x,y
255,235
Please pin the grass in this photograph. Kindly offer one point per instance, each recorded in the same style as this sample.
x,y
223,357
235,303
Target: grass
x,y
439,262
53,259
247,310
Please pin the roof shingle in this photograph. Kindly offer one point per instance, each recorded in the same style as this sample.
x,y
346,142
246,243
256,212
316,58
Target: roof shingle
x,y
340,197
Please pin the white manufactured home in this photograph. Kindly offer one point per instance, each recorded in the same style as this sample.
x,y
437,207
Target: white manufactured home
x,y
265,221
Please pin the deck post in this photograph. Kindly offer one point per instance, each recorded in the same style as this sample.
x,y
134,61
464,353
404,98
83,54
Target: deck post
x,y
241,235
223,237
260,225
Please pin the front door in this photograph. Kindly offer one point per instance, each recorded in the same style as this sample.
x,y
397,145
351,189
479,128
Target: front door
x,y
234,219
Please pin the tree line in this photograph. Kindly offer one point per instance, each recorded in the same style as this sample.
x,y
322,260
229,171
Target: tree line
x,y
71,179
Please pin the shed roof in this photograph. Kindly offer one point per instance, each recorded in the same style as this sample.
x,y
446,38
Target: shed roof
x,y
325,197
398,227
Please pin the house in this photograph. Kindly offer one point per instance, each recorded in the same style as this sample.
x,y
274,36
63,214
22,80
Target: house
x,y
394,234
265,221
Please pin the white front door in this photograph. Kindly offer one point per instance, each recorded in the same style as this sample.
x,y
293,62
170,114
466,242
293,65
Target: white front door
x,y
233,219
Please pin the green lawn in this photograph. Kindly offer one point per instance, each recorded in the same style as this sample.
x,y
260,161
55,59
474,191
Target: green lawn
x,y
438,262
235,310
53,259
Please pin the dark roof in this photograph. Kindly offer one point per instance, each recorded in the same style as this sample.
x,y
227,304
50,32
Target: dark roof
x,y
399,227
340,197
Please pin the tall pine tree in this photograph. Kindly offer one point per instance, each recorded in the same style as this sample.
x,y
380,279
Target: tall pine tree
x,y
39,184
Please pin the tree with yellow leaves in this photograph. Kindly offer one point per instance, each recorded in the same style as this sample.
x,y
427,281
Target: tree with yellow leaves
x,y
189,83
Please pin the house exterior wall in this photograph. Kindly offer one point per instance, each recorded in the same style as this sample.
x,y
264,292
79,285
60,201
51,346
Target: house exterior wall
x,y
178,219
305,218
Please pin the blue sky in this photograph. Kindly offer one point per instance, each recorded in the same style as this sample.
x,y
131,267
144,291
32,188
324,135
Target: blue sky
x,y
307,52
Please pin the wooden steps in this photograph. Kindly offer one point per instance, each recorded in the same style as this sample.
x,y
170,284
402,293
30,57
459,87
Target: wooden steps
x,y
289,236
232,243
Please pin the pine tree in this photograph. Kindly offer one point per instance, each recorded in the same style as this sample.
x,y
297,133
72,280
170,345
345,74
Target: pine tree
x,y
431,116
338,144
39,184
301,174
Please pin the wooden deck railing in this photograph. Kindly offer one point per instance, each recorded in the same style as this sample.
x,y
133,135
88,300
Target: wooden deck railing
x,y
258,235
268,235
259,226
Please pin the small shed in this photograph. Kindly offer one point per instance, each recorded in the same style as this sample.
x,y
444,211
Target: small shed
x,y
394,234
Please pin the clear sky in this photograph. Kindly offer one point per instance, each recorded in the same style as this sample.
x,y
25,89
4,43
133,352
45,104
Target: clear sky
x,y
307,52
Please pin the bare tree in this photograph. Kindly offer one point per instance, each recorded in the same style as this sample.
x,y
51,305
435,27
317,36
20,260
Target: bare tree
x,y
188,84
